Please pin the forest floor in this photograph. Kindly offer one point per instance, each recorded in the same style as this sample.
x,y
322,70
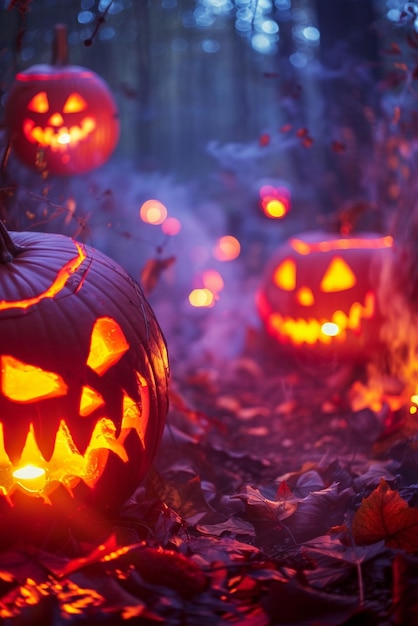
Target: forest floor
x,y
272,501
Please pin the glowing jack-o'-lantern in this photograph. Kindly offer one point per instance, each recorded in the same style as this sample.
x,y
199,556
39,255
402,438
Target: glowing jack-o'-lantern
x,y
319,293
83,373
61,118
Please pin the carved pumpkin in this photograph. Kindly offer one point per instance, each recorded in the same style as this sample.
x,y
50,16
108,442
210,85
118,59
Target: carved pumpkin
x,y
319,293
61,118
83,373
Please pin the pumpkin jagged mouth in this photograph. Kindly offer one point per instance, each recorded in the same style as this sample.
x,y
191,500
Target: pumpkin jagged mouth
x,y
68,466
311,330
58,139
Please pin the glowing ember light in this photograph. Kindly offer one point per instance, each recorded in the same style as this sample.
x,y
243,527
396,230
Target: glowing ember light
x,y
330,329
201,298
153,212
227,248
31,477
171,226
275,201
213,281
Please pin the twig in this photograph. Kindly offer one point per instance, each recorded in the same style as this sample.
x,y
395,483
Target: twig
x,y
99,23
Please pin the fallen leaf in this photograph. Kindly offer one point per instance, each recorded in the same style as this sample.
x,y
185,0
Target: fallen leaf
x,y
232,526
369,474
405,583
293,603
319,511
262,509
181,491
385,515
331,561
167,568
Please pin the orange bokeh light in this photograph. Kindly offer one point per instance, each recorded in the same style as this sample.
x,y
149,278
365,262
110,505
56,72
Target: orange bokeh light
x,y
227,248
171,226
201,298
213,281
274,208
274,201
153,212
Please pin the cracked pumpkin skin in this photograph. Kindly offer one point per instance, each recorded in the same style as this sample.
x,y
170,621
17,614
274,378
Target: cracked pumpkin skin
x,y
319,293
84,373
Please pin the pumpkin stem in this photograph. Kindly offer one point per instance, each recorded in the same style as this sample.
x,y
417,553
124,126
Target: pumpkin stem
x,y
60,46
8,249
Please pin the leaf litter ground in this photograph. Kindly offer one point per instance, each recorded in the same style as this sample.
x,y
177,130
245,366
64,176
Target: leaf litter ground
x,y
271,502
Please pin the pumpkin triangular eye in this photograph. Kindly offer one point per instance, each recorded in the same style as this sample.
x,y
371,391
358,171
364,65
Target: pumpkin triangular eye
x,y
39,103
338,277
23,383
74,103
108,345
285,275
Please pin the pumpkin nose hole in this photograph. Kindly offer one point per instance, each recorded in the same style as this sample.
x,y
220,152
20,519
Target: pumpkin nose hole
x,y
56,120
305,296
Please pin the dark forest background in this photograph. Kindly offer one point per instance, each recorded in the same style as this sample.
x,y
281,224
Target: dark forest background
x,y
189,73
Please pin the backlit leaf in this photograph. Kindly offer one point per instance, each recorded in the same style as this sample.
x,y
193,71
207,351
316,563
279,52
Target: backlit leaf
x,y
385,515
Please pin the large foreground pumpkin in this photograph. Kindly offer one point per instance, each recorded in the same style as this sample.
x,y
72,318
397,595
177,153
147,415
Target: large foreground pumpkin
x,y
83,380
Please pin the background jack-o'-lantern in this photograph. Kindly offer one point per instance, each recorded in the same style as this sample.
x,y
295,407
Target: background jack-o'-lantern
x,y
83,373
319,293
61,119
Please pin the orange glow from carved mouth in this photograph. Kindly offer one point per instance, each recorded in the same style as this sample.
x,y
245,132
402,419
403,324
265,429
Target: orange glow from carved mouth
x,y
67,466
56,286
23,383
311,331
331,329
58,139
64,138
30,477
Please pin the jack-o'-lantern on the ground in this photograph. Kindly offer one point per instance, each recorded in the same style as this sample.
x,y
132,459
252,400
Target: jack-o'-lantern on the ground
x,y
83,374
61,118
319,293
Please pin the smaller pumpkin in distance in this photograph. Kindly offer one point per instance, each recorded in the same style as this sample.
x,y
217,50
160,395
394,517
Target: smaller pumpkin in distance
x,y
61,118
319,293
83,373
